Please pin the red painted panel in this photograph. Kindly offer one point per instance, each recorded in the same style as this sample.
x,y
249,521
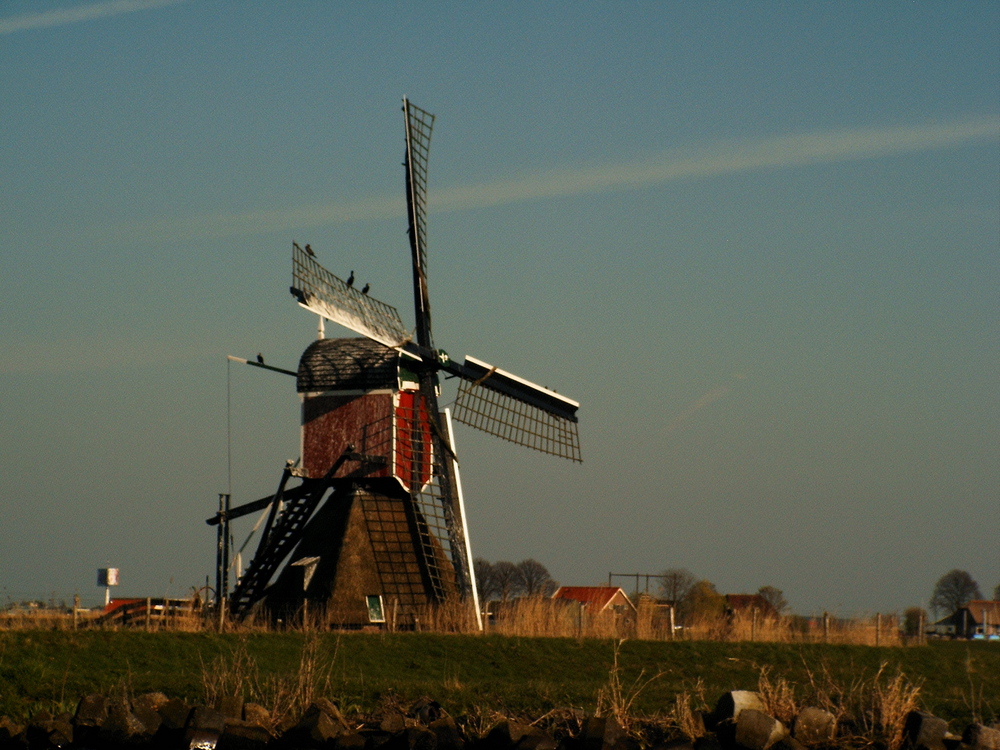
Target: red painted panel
x,y
330,423
413,440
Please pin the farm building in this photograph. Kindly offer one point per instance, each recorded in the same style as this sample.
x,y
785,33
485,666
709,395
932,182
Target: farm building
x,y
979,618
597,598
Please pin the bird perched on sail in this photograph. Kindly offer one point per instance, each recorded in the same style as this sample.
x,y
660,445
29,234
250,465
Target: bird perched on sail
x,y
260,358
310,252
366,288
350,279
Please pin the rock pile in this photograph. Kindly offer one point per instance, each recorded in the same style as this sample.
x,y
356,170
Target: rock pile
x,y
739,722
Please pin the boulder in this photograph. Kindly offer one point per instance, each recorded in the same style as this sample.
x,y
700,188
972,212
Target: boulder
x,y
243,735
412,738
122,726
755,730
254,713
707,742
319,726
680,743
230,706
600,733
925,731
980,737
731,704
536,739
146,708
446,731
425,710
91,713
788,743
392,721
814,725
350,741
11,734
150,700
507,734
174,715
204,728
45,731
315,729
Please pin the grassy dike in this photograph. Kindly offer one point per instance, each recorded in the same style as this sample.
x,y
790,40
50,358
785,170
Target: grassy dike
x,y
516,676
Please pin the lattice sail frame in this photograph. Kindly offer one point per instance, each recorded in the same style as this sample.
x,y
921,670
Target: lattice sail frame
x,y
419,125
495,413
325,294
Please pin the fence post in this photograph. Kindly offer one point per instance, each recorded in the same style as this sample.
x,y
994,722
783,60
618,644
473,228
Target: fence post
x,y
920,630
753,624
672,626
826,628
149,612
878,628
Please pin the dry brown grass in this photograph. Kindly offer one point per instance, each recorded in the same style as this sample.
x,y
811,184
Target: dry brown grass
x,y
237,674
686,713
616,698
529,617
870,710
778,696
543,617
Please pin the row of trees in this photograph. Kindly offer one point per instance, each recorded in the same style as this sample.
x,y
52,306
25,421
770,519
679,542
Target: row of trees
x,y
954,590
505,580
695,599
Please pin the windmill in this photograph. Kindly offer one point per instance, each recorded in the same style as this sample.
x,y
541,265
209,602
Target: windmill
x,y
376,526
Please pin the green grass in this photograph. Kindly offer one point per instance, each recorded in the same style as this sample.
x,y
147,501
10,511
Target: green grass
x,y
517,676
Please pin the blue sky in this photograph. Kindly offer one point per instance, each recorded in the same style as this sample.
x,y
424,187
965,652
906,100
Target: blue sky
x,y
759,243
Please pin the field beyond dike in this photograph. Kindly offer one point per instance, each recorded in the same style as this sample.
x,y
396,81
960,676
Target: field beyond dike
x,y
486,676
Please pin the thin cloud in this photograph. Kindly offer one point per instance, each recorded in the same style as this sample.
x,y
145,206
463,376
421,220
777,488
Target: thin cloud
x,y
85,12
782,152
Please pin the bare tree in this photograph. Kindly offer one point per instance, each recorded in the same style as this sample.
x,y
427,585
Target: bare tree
x,y
486,579
508,579
534,578
774,597
675,583
953,590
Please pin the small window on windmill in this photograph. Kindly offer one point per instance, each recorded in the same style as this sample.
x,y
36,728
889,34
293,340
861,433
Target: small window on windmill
x,y
376,613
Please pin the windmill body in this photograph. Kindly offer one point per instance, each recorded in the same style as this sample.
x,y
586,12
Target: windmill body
x,y
377,521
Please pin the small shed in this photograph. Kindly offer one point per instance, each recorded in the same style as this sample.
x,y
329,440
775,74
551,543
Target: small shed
x,y
597,598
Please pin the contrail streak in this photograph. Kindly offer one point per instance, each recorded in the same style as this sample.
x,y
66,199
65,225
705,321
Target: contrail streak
x,y
697,405
87,12
781,152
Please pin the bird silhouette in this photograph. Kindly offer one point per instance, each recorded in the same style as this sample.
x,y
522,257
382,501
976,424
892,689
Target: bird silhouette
x,y
309,250
350,279
260,358
366,288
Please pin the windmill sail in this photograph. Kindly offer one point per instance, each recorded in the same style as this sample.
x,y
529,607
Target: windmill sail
x,y
502,404
321,292
418,143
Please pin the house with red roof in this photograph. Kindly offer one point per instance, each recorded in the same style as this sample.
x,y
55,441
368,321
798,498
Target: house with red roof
x,y
597,598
